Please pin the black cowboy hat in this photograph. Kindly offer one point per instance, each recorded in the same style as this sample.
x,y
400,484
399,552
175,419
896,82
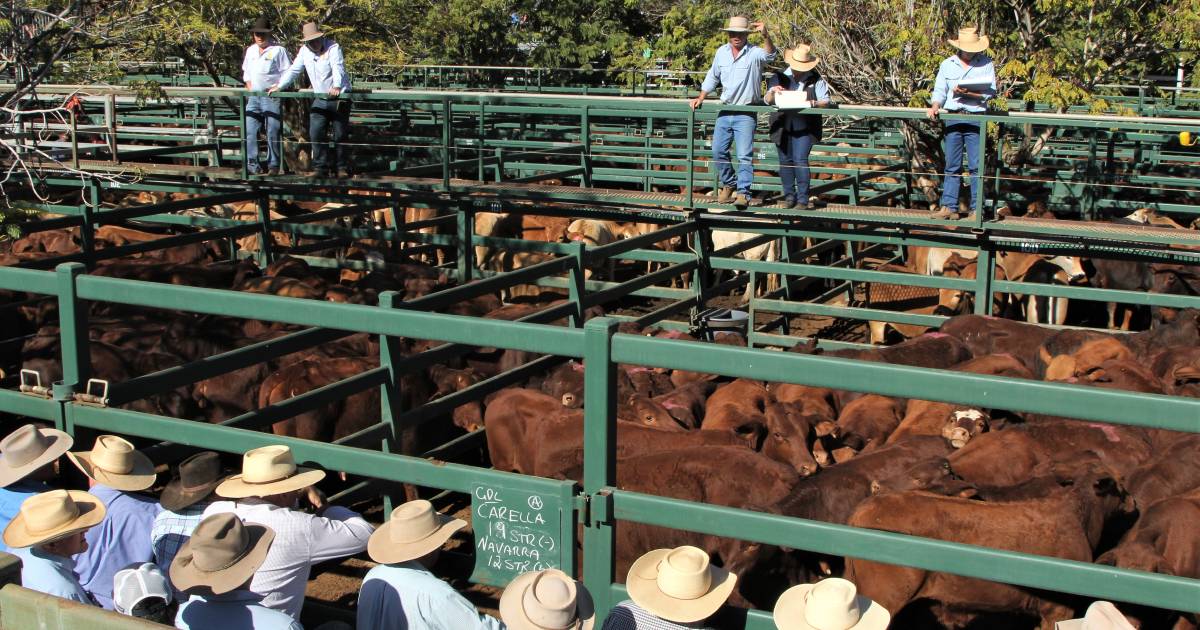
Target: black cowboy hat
x,y
198,476
261,25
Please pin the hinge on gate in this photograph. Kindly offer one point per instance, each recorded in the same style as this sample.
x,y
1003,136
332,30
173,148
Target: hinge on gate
x,y
599,508
598,140
31,384
95,394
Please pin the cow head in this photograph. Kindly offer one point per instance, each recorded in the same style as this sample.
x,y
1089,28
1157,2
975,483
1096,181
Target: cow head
x,y
933,475
468,416
790,437
650,413
1071,265
964,424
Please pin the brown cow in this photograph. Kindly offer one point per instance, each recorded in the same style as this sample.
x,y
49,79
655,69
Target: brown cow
x,y
868,421
1179,371
446,381
1165,539
790,437
1173,471
739,406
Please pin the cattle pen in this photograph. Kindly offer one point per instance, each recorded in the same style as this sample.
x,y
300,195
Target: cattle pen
x,y
461,154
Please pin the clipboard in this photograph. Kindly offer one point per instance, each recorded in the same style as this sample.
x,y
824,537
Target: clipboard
x,y
975,85
792,99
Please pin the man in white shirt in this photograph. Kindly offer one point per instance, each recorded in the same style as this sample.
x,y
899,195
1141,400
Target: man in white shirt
x,y
321,58
267,493
264,64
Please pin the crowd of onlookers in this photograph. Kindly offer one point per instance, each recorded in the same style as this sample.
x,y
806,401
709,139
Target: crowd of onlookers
x,y
235,551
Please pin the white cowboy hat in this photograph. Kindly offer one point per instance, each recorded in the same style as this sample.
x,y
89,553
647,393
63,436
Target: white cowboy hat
x,y
414,530
801,58
268,471
222,554
737,24
831,604
679,584
115,463
970,40
1100,616
28,449
48,516
547,600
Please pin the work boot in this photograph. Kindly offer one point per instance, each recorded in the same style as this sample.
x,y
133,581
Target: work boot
x,y
944,212
789,202
802,206
273,171
741,201
724,194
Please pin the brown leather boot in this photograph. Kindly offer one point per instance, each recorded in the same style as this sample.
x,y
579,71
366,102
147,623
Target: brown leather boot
x,y
724,194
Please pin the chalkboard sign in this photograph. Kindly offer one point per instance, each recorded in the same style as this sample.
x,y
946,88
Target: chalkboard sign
x,y
515,532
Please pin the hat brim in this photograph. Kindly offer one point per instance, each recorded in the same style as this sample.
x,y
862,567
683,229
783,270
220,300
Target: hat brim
x,y
383,550
60,446
312,37
978,46
1069,624
140,477
512,612
742,31
803,66
175,497
264,31
645,592
235,487
789,611
189,578
91,512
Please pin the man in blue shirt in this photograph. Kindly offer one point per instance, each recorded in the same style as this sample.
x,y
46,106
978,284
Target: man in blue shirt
x,y
737,68
965,82
28,459
263,65
322,59
45,534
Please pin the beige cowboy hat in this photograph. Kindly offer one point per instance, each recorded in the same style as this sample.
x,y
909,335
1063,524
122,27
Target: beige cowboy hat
x,y
1100,616
547,600
267,471
48,516
414,530
310,31
679,584
28,449
737,24
970,40
222,555
801,58
115,463
831,604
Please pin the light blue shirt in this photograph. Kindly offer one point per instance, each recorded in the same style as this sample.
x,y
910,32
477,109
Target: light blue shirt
x,y
740,79
263,68
951,74
237,610
406,596
820,87
325,71
51,574
11,499
121,539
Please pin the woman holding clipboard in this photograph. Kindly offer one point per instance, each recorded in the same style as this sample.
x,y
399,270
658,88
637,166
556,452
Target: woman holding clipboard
x,y
965,82
793,132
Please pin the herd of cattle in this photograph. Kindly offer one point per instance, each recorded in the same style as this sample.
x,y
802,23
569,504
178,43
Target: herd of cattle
x,y
1113,494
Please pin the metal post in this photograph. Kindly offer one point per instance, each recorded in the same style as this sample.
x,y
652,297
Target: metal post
x,y
390,354
446,143
87,231
647,179
266,256
585,138
691,156
74,140
482,134
599,459
575,288
977,180
110,122
73,335
985,273
244,136
466,248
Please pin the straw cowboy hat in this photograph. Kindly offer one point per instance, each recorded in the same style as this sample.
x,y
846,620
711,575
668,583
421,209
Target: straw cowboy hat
x,y
831,604
801,58
1099,616
28,449
48,516
261,25
737,24
679,584
970,40
310,31
114,462
414,530
199,475
547,600
222,555
268,471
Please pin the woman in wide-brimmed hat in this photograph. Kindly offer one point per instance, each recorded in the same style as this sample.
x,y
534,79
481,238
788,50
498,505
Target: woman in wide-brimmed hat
x,y
28,458
965,82
831,604
46,533
671,587
792,131
402,592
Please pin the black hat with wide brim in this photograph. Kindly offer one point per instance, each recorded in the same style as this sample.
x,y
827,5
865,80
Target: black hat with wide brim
x,y
261,25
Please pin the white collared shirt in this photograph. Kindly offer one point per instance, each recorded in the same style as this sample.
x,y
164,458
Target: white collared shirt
x,y
301,540
263,68
325,71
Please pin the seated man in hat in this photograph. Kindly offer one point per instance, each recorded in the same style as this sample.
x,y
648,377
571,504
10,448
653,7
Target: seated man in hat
x,y
116,472
401,593
671,589
547,600
737,68
965,82
263,65
831,604
183,502
215,566
268,493
28,460
46,533
321,58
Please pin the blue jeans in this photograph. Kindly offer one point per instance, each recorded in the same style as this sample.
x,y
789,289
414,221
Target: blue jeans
x,y
793,164
735,127
260,110
961,136
326,113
